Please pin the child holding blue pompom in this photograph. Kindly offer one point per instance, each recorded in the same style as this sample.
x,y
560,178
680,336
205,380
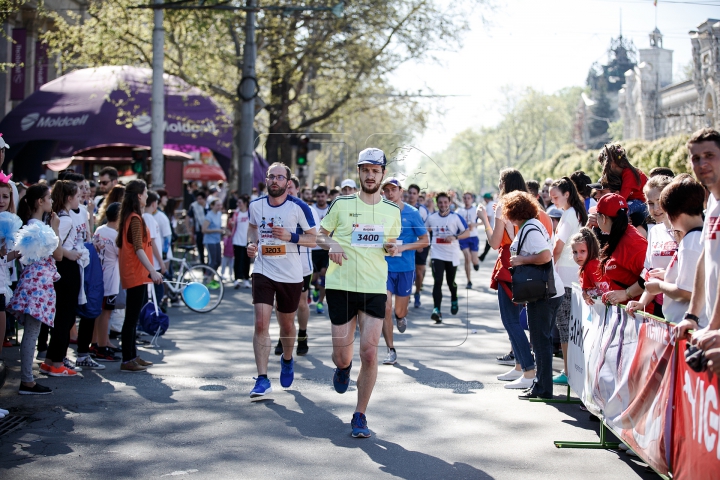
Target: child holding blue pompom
x,y
9,224
34,299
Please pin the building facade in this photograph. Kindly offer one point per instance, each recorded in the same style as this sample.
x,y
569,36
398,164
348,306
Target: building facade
x,y
27,63
652,107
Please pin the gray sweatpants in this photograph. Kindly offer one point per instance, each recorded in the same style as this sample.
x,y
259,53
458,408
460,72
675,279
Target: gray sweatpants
x,y
27,347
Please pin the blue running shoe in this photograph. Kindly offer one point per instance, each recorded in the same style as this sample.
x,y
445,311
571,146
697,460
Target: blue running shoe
x,y
315,294
359,426
319,308
417,299
454,307
287,373
341,379
262,386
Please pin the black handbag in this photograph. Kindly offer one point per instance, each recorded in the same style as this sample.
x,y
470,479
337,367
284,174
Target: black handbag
x,y
531,283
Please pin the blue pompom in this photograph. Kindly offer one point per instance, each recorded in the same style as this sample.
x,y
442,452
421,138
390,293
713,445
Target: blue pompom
x,y
35,242
9,225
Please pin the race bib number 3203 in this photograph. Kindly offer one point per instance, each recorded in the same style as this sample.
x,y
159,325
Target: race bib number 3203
x,y
366,235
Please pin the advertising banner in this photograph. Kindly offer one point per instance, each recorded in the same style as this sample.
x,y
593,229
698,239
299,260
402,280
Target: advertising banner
x,y
696,423
41,64
17,57
645,424
584,324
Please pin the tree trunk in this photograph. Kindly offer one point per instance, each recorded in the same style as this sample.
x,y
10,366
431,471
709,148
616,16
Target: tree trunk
x,y
278,143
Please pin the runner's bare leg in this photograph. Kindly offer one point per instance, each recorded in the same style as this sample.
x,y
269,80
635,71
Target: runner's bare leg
x,y
261,337
370,330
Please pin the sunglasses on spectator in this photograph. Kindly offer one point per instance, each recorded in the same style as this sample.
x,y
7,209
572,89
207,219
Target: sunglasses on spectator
x,y
104,182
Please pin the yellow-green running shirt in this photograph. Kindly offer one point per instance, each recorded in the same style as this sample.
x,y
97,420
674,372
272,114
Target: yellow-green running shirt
x,y
365,270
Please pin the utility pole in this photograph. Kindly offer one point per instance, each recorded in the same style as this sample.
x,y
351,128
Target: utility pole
x,y
247,91
157,139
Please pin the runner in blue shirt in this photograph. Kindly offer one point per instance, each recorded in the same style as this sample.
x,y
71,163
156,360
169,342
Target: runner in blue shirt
x,y
401,267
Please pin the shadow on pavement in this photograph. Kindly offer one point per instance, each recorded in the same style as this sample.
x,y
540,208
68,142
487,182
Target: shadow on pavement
x,y
392,458
439,379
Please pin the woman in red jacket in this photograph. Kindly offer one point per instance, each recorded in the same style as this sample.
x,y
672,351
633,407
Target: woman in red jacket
x,y
623,256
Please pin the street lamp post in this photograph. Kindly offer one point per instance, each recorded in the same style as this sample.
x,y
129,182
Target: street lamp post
x,y
157,106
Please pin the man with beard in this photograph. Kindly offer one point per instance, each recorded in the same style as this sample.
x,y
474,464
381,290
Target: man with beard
x,y
278,273
364,227
107,179
320,258
303,312
420,255
446,229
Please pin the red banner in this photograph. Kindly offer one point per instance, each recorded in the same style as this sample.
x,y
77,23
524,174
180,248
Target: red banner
x,y
645,424
696,423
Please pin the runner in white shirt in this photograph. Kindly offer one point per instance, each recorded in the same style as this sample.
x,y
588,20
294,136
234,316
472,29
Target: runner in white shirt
x,y
471,244
278,274
445,228
303,311
704,147
490,206
158,263
420,255
320,257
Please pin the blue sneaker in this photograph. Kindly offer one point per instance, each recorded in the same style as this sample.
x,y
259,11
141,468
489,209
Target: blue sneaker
x,y
417,299
319,308
315,294
454,307
341,379
287,374
359,426
262,386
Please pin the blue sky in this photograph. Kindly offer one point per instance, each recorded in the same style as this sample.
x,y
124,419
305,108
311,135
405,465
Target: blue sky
x,y
545,44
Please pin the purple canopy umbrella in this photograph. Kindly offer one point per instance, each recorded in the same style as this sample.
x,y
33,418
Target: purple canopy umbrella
x,y
106,105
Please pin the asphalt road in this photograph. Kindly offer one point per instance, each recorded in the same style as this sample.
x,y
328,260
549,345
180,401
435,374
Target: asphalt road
x,y
438,413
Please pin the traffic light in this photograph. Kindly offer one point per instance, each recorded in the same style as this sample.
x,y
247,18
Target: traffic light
x,y
302,150
139,156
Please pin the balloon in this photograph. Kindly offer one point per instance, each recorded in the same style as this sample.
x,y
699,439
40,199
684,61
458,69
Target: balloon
x,y
196,295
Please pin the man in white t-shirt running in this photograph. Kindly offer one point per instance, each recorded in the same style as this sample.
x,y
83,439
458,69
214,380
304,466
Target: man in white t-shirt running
x,y
320,258
277,277
303,311
471,244
445,228
704,147
420,255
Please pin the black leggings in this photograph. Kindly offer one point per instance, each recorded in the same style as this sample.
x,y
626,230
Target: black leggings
x,y
440,267
134,303
485,252
85,333
67,290
242,263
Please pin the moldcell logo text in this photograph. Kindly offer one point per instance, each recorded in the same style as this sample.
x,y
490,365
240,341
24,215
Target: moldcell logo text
x,y
144,124
34,119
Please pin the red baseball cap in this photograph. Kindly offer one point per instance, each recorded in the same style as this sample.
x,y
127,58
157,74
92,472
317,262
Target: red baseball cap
x,y
609,205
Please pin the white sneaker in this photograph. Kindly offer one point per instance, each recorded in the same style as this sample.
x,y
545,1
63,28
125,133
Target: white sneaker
x,y
246,284
521,383
511,375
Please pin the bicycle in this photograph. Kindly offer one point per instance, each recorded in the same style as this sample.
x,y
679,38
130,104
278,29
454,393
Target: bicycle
x,y
183,274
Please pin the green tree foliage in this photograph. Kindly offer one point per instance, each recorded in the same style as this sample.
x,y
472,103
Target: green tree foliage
x,y
313,68
477,155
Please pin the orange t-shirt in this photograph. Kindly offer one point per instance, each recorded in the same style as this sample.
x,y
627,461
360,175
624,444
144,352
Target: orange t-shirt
x,y
132,272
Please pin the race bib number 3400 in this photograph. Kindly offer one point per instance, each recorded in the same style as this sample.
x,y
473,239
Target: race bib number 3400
x,y
366,235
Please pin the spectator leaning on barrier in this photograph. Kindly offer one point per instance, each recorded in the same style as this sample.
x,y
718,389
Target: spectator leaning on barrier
x,y
623,256
682,200
704,147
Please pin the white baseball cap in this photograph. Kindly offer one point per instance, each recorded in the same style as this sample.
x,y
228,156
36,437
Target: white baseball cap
x,y
392,181
348,182
2,142
373,156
